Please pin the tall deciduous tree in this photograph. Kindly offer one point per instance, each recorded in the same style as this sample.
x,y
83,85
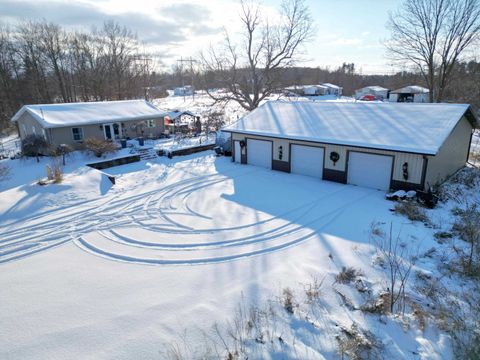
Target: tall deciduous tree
x,y
433,35
250,70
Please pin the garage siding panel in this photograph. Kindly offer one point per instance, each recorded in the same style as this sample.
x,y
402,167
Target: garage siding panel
x,y
451,156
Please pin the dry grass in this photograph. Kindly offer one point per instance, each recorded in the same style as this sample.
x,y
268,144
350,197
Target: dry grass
x,y
313,290
347,275
411,210
288,300
358,344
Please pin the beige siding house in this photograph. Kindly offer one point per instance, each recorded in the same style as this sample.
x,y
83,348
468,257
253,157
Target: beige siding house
x,y
72,123
378,145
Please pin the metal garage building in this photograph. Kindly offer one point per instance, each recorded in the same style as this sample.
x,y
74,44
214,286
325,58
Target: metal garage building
x,y
377,145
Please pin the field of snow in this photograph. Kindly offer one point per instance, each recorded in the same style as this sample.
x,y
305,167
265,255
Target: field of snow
x,y
92,270
201,104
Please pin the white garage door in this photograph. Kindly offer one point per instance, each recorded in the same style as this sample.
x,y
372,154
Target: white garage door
x,y
259,153
306,160
368,170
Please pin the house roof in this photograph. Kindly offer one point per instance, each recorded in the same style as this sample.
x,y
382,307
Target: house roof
x,y
413,89
86,113
333,86
173,115
408,127
374,88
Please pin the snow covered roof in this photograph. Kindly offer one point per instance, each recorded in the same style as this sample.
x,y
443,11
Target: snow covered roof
x,y
333,86
373,88
177,113
408,127
76,114
413,89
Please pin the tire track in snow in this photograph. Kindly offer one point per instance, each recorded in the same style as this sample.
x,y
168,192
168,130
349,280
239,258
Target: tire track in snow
x,y
155,210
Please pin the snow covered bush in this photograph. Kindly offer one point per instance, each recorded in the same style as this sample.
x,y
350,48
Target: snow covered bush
x,y
34,145
99,147
347,275
358,344
288,300
215,120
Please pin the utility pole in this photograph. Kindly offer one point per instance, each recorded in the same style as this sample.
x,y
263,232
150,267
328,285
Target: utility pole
x,y
191,61
144,69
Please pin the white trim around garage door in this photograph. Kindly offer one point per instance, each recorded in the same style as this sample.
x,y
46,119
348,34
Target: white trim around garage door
x,y
259,152
237,151
307,160
369,170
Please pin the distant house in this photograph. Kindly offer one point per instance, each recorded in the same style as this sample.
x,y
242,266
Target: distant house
x,y
184,91
379,92
310,90
413,93
333,89
377,145
181,121
72,123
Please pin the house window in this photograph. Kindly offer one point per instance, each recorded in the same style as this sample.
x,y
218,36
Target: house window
x,y
77,134
151,123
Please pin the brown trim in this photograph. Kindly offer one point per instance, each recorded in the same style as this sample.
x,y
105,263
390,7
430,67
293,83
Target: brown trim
x,y
470,145
335,175
424,171
369,153
330,143
405,185
246,152
314,146
281,165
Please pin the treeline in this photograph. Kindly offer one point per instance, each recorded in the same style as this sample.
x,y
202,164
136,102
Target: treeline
x,y
463,88
41,62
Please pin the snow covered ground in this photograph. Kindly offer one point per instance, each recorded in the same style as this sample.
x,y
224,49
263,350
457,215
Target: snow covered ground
x,y
91,270
201,104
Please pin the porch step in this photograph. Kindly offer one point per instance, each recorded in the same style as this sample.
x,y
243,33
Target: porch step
x,y
147,153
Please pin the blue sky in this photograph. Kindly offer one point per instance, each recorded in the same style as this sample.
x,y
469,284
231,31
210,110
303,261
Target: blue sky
x,y
346,30
351,31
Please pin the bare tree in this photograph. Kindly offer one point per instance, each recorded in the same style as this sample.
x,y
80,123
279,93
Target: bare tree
x,y
53,44
250,71
398,262
433,35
